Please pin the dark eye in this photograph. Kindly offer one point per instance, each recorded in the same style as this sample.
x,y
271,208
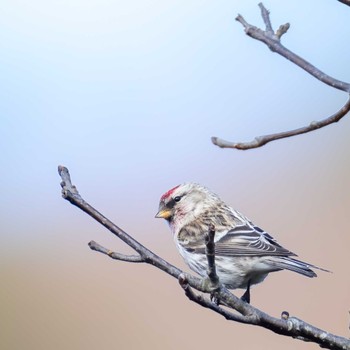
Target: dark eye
x,y
177,199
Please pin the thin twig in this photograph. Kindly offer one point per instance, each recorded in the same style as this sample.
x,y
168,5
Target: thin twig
x,y
273,42
264,139
114,255
291,326
265,14
210,253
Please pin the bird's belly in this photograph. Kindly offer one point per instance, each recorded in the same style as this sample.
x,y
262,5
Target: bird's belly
x,y
233,272
237,272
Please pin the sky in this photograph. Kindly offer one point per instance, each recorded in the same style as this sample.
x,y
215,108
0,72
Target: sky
x,y
127,95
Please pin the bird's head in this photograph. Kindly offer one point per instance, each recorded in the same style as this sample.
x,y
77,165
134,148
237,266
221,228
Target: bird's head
x,y
184,203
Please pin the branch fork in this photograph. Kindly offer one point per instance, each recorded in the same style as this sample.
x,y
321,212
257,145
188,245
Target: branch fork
x,y
258,33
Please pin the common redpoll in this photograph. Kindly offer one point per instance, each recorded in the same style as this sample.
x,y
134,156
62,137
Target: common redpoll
x,y
244,253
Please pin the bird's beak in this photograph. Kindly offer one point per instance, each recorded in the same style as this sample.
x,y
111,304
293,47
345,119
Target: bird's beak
x,y
163,213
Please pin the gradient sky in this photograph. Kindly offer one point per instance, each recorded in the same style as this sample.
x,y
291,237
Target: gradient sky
x,y
127,94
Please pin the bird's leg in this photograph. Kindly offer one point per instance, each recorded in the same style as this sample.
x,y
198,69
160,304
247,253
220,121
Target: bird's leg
x,y
246,296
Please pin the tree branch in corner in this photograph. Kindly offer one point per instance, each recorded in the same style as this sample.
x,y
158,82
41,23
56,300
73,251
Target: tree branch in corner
x,y
273,42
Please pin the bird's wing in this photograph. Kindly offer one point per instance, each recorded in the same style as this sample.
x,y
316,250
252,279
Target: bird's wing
x,y
249,240
245,239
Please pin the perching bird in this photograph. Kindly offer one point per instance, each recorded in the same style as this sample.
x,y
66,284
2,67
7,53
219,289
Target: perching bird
x,y
244,253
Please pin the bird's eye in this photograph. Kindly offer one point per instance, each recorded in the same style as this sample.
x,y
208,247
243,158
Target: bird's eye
x,y
177,199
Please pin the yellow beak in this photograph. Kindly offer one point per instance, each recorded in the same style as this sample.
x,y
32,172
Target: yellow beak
x,y
164,214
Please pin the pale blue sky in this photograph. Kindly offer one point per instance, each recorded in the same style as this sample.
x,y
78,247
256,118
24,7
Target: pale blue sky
x,y
114,82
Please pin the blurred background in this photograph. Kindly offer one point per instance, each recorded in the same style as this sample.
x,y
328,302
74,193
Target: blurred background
x,y
127,94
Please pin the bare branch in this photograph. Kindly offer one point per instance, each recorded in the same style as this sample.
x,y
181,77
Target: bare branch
x,y
273,42
210,253
288,326
117,256
345,2
265,14
202,301
264,139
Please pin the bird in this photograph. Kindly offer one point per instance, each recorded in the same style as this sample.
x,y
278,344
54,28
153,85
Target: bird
x,y
244,253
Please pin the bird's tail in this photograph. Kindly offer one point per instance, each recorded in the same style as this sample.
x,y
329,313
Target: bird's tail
x,y
295,265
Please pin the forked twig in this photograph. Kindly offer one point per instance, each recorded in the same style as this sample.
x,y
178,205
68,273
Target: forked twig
x,y
273,42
